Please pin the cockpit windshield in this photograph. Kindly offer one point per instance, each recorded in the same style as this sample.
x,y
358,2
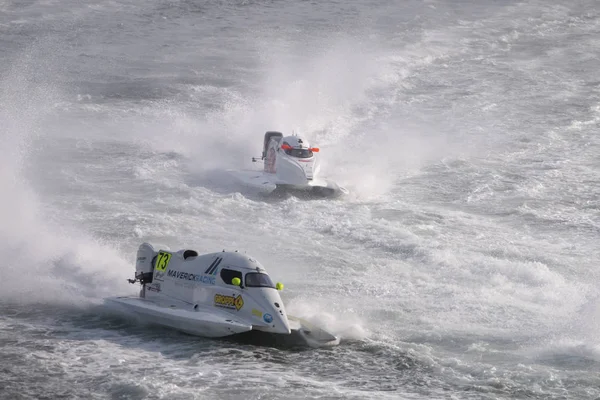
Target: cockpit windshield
x,y
298,153
257,279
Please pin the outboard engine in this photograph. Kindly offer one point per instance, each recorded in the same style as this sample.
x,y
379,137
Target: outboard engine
x,y
144,263
268,136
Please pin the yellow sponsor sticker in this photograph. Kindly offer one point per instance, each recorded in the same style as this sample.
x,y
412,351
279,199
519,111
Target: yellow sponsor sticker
x,y
229,301
256,313
239,303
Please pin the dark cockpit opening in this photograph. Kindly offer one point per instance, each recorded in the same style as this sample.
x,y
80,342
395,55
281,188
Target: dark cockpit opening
x,y
227,275
189,253
257,279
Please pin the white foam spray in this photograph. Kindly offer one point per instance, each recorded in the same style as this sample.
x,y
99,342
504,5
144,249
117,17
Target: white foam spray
x,y
43,261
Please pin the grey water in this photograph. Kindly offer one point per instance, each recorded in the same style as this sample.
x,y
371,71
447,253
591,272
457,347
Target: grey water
x,y
463,264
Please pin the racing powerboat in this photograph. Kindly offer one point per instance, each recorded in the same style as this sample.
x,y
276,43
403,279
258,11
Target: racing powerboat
x,y
290,164
215,295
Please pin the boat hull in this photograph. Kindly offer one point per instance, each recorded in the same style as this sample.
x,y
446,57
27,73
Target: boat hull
x,y
270,184
199,323
220,325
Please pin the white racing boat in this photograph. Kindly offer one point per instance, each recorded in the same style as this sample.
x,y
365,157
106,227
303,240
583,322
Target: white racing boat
x,y
289,165
214,295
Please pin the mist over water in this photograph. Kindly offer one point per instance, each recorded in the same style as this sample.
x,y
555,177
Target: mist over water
x,y
463,263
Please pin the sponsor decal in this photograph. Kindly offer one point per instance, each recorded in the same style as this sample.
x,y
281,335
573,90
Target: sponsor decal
x,y
212,268
141,259
186,276
159,276
231,302
256,313
162,261
155,287
268,318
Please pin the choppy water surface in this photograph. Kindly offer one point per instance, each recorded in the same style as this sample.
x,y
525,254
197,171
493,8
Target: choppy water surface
x,y
464,263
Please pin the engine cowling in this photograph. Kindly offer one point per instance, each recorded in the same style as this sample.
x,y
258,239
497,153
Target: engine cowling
x,y
144,264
